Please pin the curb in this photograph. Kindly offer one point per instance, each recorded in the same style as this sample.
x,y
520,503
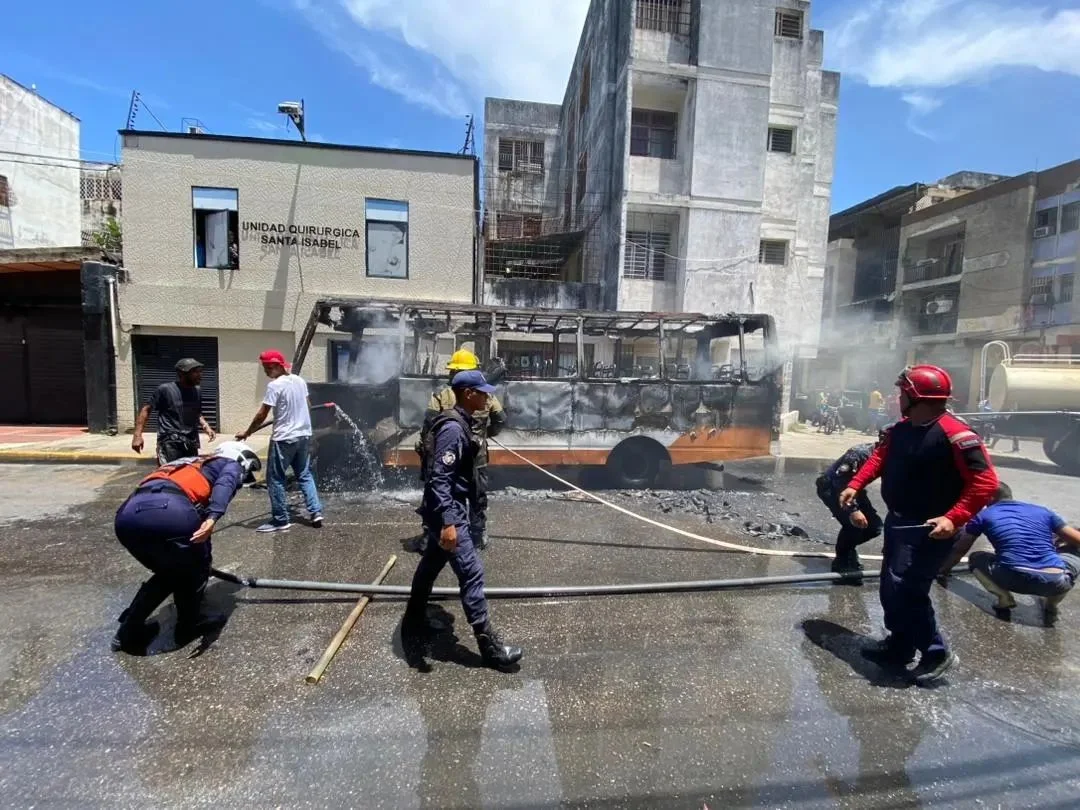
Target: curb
x,y
71,457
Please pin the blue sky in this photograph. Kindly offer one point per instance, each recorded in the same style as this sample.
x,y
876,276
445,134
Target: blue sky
x,y
930,86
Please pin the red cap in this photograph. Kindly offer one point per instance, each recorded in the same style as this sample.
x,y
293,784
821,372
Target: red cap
x,y
273,356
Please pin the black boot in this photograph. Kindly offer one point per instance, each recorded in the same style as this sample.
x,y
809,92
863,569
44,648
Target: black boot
x,y
886,654
135,632
191,622
492,649
847,562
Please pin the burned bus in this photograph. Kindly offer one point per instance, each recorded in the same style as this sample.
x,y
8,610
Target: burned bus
x,y
634,392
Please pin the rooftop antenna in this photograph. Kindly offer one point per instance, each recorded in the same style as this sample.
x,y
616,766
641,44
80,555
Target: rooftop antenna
x,y
470,140
295,111
133,109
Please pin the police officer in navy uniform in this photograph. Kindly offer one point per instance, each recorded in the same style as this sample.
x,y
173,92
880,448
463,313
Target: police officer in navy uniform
x,y
935,476
166,524
859,522
449,490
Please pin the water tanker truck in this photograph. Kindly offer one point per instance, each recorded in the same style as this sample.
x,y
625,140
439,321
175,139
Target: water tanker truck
x,y
1033,396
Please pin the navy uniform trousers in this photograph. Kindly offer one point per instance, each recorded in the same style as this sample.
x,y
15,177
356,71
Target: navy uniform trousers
x,y
465,563
155,526
912,561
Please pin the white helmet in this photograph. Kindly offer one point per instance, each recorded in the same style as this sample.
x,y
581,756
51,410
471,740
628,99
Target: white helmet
x,y
242,455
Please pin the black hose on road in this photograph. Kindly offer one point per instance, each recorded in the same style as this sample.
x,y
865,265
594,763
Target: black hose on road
x,y
556,591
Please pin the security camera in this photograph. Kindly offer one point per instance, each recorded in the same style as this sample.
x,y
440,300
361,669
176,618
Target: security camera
x,y
288,108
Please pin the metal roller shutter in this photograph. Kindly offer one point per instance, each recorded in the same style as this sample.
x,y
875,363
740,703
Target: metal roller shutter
x,y
15,403
155,360
54,345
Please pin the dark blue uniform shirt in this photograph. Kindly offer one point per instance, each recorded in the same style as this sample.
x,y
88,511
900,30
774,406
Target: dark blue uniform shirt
x,y
1022,534
844,468
449,485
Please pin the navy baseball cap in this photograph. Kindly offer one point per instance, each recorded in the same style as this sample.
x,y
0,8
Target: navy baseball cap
x,y
474,380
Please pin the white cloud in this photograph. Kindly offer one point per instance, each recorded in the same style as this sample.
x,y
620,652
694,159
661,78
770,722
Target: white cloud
x,y
943,43
446,55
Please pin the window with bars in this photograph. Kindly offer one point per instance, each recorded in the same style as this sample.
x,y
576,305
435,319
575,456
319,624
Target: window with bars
x,y
652,133
1065,288
1046,222
99,186
516,226
646,255
772,251
782,139
789,23
5,194
665,16
521,156
1042,291
582,175
1070,217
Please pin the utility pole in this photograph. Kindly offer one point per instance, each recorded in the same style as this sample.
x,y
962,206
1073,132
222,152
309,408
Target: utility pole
x,y
470,140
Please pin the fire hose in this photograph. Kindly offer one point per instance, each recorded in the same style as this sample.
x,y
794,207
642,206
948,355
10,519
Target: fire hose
x,y
542,591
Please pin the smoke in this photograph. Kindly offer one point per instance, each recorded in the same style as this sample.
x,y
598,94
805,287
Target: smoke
x,y
376,362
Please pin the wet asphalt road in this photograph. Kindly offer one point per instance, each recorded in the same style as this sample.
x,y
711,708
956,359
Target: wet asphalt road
x,y
750,699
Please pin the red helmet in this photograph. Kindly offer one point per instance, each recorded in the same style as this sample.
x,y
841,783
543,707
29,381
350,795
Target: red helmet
x,y
925,382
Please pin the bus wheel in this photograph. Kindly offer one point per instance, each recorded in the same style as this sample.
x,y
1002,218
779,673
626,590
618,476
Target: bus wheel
x,y
635,464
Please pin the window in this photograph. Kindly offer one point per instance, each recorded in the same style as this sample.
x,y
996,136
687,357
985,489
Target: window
x,y
521,156
666,16
387,239
789,23
1042,291
1046,222
216,219
1070,217
646,255
772,251
781,139
99,185
582,175
652,133
515,226
1065,288
5,197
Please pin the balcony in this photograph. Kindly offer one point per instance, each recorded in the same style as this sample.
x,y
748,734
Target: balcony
x,y
934,260
932,313
874,279
533,293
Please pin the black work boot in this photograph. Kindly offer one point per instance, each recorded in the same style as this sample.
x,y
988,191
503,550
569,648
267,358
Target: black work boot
x,y
492,649
886,655
135,633
847,562
191,622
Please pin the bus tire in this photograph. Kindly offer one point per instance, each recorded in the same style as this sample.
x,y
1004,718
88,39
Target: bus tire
x,y
636,463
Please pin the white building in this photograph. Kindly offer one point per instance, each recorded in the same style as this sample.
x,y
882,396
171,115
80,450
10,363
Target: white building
x,y
689,168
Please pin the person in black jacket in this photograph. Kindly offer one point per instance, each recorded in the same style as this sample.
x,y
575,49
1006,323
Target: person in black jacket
x,y
859,522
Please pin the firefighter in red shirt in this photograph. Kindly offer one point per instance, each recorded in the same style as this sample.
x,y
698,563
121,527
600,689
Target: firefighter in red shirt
x,y
935,475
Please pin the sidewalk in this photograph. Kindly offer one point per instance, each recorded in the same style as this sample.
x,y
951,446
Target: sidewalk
x,y
67,445
803,442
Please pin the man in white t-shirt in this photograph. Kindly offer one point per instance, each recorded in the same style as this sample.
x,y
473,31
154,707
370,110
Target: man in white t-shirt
x,y
290,441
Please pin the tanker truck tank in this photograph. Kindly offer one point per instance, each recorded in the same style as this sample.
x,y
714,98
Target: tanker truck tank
x,y
1035,388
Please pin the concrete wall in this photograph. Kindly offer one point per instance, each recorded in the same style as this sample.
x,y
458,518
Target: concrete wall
x,y
518,191
43,173
268,300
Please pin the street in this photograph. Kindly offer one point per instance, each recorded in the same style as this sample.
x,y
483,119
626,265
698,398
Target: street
x,y
732,699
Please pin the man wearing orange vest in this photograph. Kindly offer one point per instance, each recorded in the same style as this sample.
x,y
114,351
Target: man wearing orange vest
x,y
166,524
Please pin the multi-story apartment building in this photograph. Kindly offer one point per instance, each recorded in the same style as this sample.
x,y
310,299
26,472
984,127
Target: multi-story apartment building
x,y
935,280
688,168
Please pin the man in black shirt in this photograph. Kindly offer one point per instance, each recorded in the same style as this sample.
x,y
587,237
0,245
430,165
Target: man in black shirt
x,y
179,409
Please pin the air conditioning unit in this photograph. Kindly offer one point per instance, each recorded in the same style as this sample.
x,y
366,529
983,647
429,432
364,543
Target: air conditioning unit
x,y
1040,299
939,306
1041,232
926,262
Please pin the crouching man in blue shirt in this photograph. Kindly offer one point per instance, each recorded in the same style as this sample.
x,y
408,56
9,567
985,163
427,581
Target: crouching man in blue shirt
x,y
1035,552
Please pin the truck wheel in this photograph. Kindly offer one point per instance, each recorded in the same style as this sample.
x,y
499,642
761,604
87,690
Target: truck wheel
x,y
1064,451
635,464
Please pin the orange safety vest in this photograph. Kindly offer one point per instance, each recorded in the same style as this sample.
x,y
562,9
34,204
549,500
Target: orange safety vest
x,y
188,478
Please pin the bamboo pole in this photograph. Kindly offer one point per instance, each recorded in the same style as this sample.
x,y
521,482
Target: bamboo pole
x,y
335,643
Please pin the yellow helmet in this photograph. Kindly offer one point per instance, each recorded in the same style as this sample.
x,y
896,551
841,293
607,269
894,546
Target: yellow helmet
x,y
463,360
